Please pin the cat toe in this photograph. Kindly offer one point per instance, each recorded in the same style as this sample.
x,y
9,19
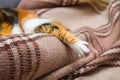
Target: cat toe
x,y
81,47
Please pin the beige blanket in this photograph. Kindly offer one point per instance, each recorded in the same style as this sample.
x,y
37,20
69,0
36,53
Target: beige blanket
x,y
44,57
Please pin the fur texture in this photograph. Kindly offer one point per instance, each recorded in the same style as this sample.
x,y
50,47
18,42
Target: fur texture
x,y
22,21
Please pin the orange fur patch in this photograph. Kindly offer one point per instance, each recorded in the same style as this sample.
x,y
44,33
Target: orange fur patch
x,y
66,36
24,15
5,29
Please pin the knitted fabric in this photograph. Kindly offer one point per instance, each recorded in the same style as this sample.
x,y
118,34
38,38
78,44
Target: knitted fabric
x,y
42,56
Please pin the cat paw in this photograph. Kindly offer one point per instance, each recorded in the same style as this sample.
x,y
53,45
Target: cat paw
x,y
81,47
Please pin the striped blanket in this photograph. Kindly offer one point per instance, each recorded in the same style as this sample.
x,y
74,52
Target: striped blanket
x,y
44,57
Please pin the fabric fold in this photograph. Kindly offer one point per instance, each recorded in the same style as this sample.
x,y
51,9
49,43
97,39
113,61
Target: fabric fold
x,y
44,57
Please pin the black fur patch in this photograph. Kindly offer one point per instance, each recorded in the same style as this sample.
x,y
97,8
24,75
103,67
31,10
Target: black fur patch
x,y
8,15
50,25
46,28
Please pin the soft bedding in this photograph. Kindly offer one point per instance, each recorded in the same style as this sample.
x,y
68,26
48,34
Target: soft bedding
x,y
44,57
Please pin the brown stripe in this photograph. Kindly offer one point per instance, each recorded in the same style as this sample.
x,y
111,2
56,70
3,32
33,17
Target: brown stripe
x,y
77,2
61,2
25,58
87,68
11,37
111,15
44,11
37,57
95,43
16,57
11,63
102,59
69,2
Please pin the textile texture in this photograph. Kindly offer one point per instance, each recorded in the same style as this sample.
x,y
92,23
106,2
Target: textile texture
x,y
26,4
44,57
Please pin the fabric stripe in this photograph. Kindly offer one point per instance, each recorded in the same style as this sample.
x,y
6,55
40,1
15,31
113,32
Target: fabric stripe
x,y
69,2
35,56
16,58
23,55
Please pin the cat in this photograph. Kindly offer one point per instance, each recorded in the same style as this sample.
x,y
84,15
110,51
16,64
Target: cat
x,y
17,21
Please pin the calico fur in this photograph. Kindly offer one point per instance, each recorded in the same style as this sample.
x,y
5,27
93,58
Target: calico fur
x,y
14,21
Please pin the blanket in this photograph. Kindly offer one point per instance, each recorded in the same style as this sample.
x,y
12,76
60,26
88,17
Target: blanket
x,y
25,57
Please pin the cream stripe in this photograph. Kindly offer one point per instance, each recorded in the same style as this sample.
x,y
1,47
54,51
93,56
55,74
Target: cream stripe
x,y
64,2
113,62
111,23
112,51
112,6
74,2
86,69
16,57
37,34
117,2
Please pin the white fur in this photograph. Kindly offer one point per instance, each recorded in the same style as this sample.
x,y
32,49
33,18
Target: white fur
x,y
16,29
80,47
31,24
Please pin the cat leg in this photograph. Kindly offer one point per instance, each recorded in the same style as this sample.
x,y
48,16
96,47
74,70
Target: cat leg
x,y
59,31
